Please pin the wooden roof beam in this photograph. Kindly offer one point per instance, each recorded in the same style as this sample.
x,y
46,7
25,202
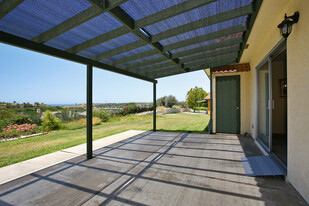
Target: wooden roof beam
x,y
170,12
118,50
220,52
6,6
77,20
224,16
199,39
170,72
206,37
217,45
128,21
134,57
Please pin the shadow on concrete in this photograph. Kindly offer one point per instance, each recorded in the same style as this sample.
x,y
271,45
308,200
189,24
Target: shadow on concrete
x,y
271,187
125,172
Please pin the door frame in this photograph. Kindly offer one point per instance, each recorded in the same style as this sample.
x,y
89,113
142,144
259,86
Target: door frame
x,y
275,51
239,101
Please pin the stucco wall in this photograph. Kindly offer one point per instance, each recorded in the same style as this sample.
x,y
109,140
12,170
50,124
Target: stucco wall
x,y
244,100
298,100
264,36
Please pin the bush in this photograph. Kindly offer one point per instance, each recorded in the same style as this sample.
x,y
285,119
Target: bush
x,y
162,109
39,129
132,108
102,114
201,108
96,121
50,122
16,119
171,100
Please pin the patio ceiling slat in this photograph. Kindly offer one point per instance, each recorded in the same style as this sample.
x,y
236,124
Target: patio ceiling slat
x,y
212,60
145,63
170,12
224,62
170,72
8,5
229,53
157,66
206,37
99,39
146,21
67,25
224,16
119,50
75,21
210,54
204,61
217,53
217,45
123,17
188,42
134,57
256,6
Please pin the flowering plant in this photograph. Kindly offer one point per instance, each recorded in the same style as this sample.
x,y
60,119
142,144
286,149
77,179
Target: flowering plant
x,y
15,130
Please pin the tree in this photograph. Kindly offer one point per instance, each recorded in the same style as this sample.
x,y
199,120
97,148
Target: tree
x,y
161,101
171,100
193,95
50,122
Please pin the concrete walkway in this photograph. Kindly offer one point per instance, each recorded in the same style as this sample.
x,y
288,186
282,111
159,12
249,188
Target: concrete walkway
x,y
155,168
20,169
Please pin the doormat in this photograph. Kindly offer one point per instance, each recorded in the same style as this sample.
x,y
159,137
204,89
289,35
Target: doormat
x,y
261,166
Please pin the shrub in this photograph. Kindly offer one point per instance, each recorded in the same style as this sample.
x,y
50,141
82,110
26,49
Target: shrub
x,y
162,108
171,100
38,129
96,121
50,122
132,108
201,108
102,114
16,119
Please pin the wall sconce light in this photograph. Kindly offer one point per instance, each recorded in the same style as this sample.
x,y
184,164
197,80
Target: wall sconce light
x,y
286,25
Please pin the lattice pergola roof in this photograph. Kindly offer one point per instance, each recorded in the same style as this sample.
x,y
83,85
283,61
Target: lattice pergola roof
x,y
146,39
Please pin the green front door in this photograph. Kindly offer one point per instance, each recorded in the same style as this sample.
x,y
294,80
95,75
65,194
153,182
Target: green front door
x,y
228,104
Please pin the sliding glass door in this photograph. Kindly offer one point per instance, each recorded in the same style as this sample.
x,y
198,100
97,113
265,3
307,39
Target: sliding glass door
x,y
264,104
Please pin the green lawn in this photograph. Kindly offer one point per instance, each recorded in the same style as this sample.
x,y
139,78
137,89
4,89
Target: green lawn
x,y
23,149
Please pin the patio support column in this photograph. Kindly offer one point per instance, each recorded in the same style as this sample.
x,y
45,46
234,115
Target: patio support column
x,y
211,102
154,107
89,111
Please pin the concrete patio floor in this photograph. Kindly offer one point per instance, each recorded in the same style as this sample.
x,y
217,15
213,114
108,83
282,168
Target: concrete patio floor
x,y
155,169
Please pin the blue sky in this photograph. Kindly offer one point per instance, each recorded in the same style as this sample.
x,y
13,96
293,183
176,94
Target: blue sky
x,y
28,76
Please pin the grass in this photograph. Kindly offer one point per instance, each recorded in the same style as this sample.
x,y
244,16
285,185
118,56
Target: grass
x,y
19,150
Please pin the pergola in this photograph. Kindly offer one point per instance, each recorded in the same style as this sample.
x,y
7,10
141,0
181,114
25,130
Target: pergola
x,y
147,39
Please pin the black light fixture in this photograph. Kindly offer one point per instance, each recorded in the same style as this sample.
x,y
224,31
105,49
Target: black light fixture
x,y
286,25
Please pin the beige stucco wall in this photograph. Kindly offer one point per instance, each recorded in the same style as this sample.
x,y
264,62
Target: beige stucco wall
x,y
244,100
264,36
